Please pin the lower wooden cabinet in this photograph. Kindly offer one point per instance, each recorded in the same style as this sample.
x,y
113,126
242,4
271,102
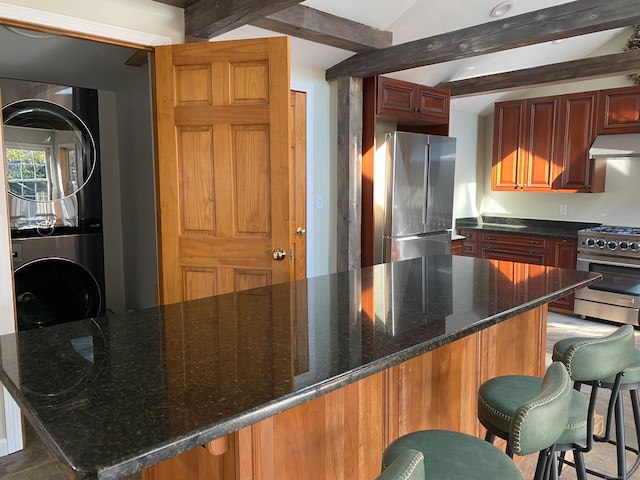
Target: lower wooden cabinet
x,y
534,249
457,247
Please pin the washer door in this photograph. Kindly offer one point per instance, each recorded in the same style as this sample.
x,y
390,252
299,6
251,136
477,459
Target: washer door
x,y
54,290
49,150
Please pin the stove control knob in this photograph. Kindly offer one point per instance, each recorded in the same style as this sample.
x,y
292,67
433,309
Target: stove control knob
x,y
624,245
612,245
635,246
600,243
590,242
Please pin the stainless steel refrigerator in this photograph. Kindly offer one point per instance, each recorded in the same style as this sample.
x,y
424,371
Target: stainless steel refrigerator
x,y
418,207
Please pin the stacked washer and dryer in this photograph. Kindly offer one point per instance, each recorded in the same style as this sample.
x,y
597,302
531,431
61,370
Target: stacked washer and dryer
x,y
55,201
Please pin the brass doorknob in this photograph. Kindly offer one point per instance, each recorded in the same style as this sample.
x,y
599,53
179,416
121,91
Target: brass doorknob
x,y
279,254
301,231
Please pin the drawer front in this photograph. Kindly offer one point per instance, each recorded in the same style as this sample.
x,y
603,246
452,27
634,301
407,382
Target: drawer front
x,y
525,241
470,249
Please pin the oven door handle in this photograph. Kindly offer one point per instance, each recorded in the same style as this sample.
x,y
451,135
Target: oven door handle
x,y
606,262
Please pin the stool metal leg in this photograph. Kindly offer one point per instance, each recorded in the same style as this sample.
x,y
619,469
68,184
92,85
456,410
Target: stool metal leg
x,y
581,471
635,405
620,440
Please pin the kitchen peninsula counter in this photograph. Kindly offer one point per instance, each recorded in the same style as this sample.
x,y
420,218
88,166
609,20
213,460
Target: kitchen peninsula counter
x,y
309,379
524,226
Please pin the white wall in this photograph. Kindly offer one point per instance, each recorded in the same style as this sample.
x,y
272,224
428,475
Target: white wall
x,y
469,131
321,239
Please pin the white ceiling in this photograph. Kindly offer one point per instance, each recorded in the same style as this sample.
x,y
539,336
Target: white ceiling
x,y
58,59
414,19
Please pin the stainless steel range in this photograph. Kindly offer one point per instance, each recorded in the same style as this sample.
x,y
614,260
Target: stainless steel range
x,y
615,253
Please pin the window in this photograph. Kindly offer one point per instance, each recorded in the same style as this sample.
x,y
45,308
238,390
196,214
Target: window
x,y
27,171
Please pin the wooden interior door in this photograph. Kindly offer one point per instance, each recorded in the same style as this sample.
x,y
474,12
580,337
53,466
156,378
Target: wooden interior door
x,y
299,184
223,130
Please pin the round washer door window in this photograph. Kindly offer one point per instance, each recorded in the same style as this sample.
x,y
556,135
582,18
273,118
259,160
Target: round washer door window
x,y
49,150
50,291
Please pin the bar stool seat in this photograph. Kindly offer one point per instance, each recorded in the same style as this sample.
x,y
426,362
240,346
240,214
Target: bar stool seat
x,y
536,424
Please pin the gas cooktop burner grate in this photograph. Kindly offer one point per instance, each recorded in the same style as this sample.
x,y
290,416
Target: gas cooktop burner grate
x,y
613,229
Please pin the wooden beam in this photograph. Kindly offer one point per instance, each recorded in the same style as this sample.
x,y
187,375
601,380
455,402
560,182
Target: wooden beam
x,y
623,63
209,18
567,20
178,3
349,174
316,26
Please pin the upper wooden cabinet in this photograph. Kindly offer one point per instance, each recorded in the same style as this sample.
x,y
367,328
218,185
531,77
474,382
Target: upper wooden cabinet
x,y
406,100
577,130
542,144
619,110
524,144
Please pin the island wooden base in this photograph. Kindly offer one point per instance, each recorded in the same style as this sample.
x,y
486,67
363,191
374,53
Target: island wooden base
x,y
342,434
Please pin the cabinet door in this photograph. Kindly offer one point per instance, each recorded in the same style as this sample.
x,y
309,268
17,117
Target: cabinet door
x,y
564,256
540,143
396,98
508,123
433,105
577,132
619,110
470,243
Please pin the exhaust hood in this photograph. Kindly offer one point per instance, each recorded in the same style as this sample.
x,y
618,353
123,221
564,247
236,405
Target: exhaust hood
x,y
624,145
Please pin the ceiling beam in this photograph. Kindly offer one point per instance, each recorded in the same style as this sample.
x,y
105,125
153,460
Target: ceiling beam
x,y
320,27
567,20
178,3
624,63
209,18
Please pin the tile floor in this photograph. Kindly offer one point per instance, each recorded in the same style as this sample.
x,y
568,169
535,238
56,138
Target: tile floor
x,y
34,463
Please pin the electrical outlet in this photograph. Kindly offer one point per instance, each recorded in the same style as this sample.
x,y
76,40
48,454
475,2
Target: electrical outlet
x,y
563,209
319,202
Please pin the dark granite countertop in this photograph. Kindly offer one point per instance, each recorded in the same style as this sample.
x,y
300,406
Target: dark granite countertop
x,y
113,395
528,226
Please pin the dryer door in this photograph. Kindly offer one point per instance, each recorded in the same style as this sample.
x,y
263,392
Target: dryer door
x,y
54,290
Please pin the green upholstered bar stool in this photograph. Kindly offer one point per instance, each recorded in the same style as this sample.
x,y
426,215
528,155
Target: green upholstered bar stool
x,y
408,466
536,424
629,381
588,361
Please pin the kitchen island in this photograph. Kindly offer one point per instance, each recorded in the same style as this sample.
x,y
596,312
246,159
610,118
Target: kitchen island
x,y
309,379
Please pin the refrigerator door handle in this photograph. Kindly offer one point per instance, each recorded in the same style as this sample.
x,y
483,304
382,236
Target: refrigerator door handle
x,y
425,183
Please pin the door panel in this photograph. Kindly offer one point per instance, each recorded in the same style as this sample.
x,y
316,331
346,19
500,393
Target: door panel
x,y
223,124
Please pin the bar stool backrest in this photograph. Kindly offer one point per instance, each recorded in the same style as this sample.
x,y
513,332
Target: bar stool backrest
x,y
590,359
538,423
408,466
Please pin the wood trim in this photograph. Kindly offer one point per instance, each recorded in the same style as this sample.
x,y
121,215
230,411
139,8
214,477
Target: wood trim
x,y
85,36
